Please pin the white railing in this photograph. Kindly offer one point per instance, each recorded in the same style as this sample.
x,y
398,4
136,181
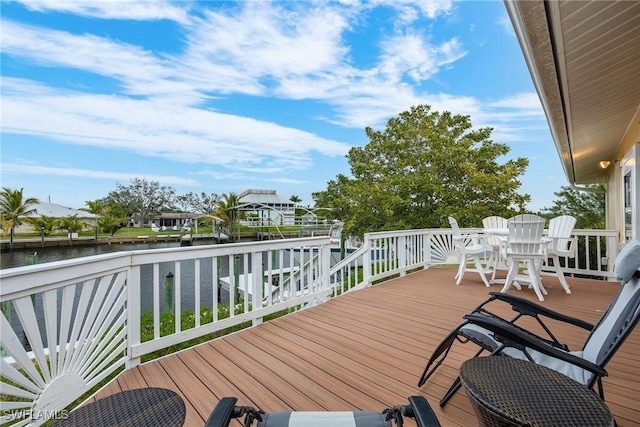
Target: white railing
x,y
387,254
68,325
596,254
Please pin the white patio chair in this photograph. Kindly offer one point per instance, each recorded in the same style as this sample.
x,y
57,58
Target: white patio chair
x,y
561,244
496,262
471,248
525,245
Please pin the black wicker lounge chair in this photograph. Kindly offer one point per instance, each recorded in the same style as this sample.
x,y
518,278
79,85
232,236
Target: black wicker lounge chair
x,y
503,337
418,409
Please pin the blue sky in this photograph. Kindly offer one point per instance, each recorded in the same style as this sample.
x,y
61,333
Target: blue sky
x,y
219,97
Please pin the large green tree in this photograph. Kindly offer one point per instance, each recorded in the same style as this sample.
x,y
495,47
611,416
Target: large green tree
x,y
142,198
14,208
423,167
112,216
588,207
198,203
95,206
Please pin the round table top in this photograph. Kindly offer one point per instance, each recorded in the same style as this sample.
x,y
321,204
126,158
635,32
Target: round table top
x,y
529,394
150,407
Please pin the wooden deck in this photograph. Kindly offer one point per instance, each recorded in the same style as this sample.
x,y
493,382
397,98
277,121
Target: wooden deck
x,y
366,350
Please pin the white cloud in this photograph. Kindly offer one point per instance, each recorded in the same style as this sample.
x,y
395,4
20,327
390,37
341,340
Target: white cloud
x,y
34,169
286,180
505,22
410,10
410,55
529,102
164,106
113,9
300,52
242,50
159,129
138,71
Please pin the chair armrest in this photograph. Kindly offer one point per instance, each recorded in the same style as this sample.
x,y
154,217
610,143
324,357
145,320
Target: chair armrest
x,y
529,308
569,251
510,336
222,413
422,412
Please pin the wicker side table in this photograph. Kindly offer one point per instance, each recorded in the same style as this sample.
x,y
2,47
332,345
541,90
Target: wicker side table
x,y
511,392
150,407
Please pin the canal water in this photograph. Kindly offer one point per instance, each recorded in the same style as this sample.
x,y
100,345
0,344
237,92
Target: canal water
x,y
18,258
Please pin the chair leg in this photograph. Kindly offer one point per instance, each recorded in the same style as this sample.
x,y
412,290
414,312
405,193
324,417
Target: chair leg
x,y
480,268
457,384
452,390
497,261
513,269
493,273
438,356
560,274
535,280
461,268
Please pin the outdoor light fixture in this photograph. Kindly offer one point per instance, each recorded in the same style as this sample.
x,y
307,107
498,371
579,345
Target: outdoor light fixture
x,y
604,164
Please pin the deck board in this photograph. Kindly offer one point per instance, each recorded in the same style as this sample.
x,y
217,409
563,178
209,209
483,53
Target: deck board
x,y
366,350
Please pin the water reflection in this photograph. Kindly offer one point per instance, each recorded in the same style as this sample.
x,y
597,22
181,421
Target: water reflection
x,y
18,258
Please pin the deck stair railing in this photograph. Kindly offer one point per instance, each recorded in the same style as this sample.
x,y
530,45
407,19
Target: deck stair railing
x,y
392,253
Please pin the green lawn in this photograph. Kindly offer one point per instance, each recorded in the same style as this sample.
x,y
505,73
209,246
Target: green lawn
x,y
146,231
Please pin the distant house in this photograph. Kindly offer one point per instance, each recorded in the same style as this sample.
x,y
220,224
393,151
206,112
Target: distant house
x,y
267,207
169,220
53,210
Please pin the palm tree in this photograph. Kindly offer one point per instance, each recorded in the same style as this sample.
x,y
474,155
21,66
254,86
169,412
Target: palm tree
x,y
225,210
94,206
13,209
72,224
44,223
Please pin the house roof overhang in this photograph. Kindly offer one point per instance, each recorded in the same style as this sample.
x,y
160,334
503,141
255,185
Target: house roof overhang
x,y
584,58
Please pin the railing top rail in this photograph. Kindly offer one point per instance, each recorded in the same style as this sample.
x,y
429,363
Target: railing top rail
x,y
55,272
395,233
190,252
413,232
349,258
213,250
67,263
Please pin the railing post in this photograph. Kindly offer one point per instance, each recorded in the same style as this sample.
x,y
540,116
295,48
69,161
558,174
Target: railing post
x,y
401,247
612,252
133,314
325,267
257,285
366,261
426,247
